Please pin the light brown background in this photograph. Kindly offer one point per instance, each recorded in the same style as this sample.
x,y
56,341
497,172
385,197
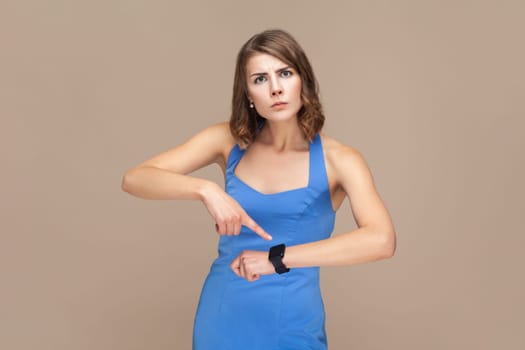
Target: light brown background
x,y
431,92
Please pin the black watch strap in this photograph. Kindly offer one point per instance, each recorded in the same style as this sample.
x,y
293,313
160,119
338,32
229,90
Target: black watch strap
x,y
276,255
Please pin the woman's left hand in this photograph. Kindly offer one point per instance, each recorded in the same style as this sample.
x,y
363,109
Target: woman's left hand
x,y
251,264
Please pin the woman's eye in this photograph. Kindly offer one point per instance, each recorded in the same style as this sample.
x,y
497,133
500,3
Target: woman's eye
x,y
259,79
286,73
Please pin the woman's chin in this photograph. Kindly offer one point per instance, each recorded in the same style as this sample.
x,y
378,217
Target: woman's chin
x,y
280,116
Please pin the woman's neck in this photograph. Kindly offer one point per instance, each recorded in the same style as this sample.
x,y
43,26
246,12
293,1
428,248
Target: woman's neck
x,y
283,135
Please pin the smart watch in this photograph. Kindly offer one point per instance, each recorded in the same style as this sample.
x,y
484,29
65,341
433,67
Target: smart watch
x,y
276,255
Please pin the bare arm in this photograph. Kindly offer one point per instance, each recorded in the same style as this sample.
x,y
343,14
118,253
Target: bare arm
x,y
374,239
165,177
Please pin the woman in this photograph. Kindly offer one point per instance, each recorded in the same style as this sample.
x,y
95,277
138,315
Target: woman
x,y
285,181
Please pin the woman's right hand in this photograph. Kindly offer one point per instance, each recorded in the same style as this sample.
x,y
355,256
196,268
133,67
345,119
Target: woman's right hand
x,y
229,216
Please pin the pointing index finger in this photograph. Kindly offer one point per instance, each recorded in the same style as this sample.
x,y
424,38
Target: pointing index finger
x,y
251,224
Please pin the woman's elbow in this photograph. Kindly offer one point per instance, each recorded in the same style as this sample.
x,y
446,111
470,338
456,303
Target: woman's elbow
x,y
388,246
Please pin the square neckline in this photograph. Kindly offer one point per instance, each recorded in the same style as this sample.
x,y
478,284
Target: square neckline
x,y
297,189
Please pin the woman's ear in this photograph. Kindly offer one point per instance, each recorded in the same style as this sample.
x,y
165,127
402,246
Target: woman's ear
x,y
250,101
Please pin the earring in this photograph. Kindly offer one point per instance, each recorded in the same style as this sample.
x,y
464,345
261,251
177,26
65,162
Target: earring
x,y
251,105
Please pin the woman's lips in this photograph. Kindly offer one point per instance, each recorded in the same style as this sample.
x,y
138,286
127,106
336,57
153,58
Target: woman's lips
x,y
279,105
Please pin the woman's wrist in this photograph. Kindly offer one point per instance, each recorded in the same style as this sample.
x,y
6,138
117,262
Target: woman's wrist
x,y
287,258
204,188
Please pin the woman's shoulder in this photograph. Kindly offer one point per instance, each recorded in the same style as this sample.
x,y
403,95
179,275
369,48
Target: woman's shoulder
x,y
340,157
220,134
334,149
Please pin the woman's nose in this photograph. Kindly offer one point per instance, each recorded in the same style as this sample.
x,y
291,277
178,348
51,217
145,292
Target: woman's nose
x,y
276,91
275,87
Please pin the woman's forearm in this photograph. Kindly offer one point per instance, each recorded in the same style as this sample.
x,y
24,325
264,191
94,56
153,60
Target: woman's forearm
x,y
155,183
355,247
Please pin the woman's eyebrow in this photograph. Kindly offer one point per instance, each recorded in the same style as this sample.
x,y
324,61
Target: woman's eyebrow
x,y
277,71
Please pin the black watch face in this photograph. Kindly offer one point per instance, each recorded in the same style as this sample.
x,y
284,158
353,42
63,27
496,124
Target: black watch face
x,y
276,257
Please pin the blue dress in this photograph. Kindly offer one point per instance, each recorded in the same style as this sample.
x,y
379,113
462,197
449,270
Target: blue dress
x,y
276,312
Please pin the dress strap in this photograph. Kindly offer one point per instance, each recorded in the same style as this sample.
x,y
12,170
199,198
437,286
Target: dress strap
x,y
318,179
234,157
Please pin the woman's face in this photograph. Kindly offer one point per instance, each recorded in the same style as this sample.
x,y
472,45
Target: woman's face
x,y
273,87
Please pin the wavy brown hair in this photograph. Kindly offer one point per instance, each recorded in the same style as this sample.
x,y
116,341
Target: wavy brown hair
x,y
244,121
